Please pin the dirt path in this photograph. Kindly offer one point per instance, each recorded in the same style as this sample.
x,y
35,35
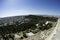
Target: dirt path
x,y
54,31
57,35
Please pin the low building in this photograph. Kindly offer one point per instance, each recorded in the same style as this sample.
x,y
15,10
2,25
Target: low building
x,y
47,22
30,34
37,24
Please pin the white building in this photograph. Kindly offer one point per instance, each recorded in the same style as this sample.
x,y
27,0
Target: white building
x,y
37,25
30,34
48,22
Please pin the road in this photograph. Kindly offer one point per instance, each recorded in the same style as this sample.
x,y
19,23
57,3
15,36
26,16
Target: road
x,y
57,35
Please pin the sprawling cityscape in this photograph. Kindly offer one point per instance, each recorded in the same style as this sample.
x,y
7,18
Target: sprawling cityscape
x,y
29,19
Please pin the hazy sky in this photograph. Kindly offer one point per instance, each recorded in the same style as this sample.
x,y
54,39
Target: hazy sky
x,y
25,7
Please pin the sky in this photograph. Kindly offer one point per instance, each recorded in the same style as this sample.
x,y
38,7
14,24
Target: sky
x,y
26,7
